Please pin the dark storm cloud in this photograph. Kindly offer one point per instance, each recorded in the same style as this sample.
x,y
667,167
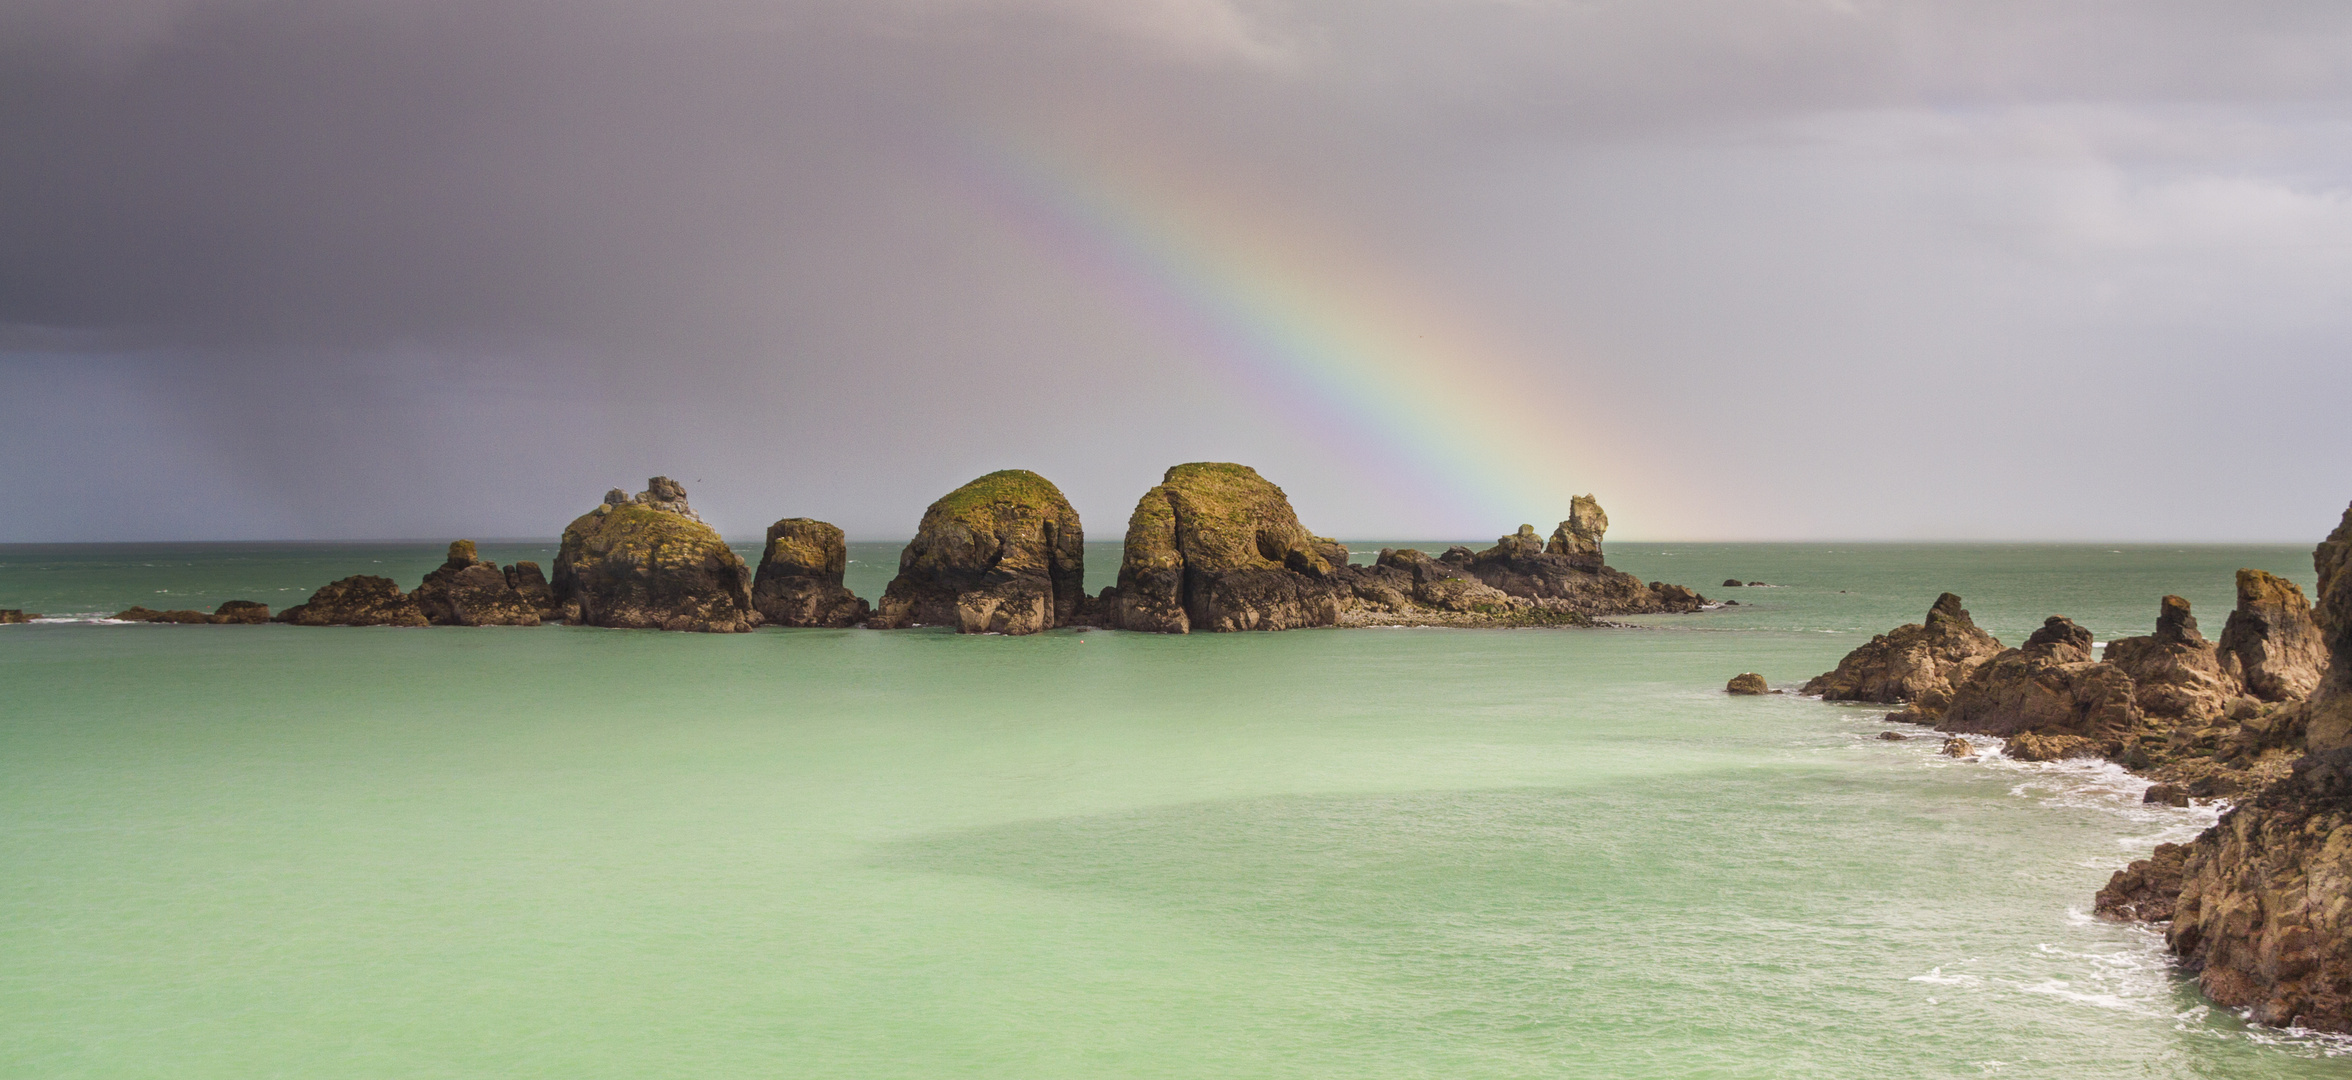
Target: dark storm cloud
x,y
400,268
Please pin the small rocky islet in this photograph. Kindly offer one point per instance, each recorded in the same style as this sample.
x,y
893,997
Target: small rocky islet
x,y
2258,907
1213,547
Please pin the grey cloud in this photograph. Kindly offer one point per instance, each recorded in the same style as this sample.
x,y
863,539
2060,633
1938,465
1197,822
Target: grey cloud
x,y
424,266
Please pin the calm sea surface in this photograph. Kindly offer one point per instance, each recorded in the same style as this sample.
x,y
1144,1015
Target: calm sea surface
x,y
579,853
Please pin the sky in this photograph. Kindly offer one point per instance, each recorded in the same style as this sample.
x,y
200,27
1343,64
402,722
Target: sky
x,y
1755,270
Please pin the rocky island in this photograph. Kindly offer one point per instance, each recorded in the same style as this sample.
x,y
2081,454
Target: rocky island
x,y
648,562
1004,554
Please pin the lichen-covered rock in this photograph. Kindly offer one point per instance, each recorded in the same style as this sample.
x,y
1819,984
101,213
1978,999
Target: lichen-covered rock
x,y
1004,554
2050,686
466,590
2271,644
2264,914
1916,662
643,563
2176,673
524,577
2146,890
1747,682
1578,539
360,600
1216,547
799,578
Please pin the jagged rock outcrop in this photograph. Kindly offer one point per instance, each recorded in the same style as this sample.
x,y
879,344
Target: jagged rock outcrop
x,y
467,590
524,577
1746,682
1578,539
1216,547
2264,912
2146,890
647,562
2271,644
799,578
1004,554
2049,686
360,600
1916,662
2175,672
1569,569
237,612
2330,718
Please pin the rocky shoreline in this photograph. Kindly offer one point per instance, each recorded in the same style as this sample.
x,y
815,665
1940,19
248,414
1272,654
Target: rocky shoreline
x,y
2258,907
1214,547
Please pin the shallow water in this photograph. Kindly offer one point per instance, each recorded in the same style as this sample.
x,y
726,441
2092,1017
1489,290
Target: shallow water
x,y
568,852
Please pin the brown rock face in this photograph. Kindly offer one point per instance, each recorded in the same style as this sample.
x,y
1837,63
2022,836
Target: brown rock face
x,y
17,615
2029,746
799,579
2262,916
468,591
2049,687
2331,701
643,563
362,600
524,578
1004,554
1579,538
2271,644
1747,682
2146,890
2177,674
1914,662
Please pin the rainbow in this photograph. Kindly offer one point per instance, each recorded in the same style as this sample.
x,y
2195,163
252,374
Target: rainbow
x,y
1368,364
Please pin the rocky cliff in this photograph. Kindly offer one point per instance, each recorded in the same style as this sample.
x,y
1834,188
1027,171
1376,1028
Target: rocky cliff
x,y
2175,672
647,562
1004,554
2271,644
2048,687
467,590
799,577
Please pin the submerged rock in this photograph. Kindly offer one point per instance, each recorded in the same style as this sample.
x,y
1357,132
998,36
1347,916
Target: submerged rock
x,y
2271,644
2176,673
17,615
1894,736
1216,547
649,563
2033,746
360,600
799,578
1957,747
466,590
1916,662
1004,554
135,613
242,612
1747,683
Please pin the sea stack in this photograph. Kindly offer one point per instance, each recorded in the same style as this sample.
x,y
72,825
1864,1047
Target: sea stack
x,y
2177,673
2271,644
467,590
799,578
1004,554
648,562
1217,547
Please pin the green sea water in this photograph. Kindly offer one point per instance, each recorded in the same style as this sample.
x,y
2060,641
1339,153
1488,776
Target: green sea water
x,y
581,853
